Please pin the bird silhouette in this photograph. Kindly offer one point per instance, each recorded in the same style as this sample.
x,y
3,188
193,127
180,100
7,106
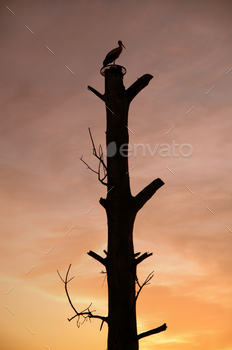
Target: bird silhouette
x,y
113,54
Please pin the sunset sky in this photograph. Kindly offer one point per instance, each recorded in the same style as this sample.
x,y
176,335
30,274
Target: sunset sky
x,y
50,51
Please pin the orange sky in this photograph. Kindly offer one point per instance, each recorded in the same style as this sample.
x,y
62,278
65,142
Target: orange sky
x,y
45,189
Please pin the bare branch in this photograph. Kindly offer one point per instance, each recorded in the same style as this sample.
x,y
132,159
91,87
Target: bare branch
x,y
66,287
100,157
97,257
84,314
60,276
94,149
98,94
145,283
142,257
143,196
153,331
88,167
137,86
101,162
101,325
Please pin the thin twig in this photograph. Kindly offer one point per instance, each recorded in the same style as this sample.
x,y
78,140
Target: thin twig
x,y
88,167
145,283
86,313
100,157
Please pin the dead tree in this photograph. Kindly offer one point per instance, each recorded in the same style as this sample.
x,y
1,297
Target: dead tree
x,y
121,209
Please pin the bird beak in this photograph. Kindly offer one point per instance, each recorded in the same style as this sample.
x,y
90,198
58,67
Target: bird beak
x,y
123,45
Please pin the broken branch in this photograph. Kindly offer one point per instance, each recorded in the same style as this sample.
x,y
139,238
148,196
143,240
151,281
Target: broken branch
x,y
137,86
153,331
143,196
97,257
142,257
98,94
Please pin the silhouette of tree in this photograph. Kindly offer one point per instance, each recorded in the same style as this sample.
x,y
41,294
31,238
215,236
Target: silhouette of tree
x,y
121,208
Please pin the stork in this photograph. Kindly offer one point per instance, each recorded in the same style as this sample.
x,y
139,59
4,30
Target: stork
x,y
113,54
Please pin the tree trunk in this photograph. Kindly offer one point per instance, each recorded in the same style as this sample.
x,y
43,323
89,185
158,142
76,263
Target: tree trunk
x,y
120,213
121,208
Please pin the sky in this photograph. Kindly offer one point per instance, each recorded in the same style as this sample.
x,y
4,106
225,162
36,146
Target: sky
x,y
50,52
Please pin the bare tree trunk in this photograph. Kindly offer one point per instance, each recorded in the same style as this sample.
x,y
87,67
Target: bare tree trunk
x,y
120,213
121,208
